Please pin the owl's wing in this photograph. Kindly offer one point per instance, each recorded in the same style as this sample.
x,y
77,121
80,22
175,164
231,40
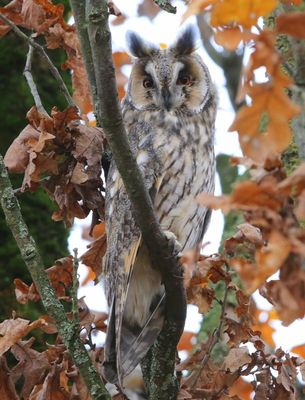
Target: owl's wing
x,y
125,346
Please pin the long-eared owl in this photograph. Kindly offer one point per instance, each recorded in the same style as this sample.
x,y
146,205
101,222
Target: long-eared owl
x,y
169,114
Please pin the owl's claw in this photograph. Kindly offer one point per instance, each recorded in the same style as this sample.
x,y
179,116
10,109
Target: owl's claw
x,y
173,242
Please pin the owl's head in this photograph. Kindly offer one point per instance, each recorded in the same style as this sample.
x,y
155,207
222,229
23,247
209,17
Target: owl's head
x,y
173,79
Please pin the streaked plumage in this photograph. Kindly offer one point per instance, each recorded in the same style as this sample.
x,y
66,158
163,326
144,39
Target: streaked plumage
x,y
169,112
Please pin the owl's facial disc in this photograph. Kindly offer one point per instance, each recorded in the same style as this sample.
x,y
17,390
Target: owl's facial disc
x,y
166,85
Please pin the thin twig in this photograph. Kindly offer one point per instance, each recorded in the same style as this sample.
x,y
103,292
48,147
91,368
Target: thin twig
x,y
166,6
41,50
214,338
30,80
75,287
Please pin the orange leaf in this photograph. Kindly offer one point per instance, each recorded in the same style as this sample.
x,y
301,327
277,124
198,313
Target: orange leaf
x,y
242,389
94,255
229,38
292,24
185,342
91,276
300,350
98,230
242,12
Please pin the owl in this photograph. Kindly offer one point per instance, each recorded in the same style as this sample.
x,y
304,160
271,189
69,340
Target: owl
x,y
169,113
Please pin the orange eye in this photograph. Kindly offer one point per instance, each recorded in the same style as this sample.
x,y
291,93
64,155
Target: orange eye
x,y
148,83
184,80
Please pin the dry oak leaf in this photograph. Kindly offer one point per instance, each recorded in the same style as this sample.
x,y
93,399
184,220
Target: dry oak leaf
x,y
17,156
292,23
267,99
40,15
96,250
287,298
241,388
12,330
236,358
32,366
25,293
51,387
247,195
7,387
13,12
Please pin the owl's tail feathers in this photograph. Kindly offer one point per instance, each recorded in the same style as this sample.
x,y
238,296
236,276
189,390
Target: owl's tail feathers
x,y
123,357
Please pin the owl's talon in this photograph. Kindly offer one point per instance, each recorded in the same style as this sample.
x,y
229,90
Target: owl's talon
x,y
173,242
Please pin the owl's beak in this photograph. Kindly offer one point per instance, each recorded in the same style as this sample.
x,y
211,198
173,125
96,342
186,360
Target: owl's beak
x,y
166,98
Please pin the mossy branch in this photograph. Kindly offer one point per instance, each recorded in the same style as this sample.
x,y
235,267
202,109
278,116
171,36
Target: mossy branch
x,y
67,329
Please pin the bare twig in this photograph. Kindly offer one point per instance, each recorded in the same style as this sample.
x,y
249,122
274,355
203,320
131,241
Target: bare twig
x,y
41,50
75,287
54,308
30,80
166,6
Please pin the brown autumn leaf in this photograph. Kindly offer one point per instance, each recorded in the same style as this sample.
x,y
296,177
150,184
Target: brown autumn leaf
x,y
12,330
25,293
12,11
270,258
247,195
32,366
69,153
16,158
269,99
7,387
51,387
60,275
94,255
292,23
241,388
287,298
236,358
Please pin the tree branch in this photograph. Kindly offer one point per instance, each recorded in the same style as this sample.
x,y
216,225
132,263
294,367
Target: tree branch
x,y
29,252
41,50
78,9
166,6
110,119
30,80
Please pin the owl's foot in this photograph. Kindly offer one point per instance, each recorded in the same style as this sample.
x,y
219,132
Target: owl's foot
x,y
174,244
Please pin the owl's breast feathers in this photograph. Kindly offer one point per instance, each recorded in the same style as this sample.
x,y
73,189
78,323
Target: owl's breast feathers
x,y
175,154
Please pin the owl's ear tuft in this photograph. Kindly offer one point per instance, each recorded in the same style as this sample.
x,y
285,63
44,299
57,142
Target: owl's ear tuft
x,y
138,47
186,42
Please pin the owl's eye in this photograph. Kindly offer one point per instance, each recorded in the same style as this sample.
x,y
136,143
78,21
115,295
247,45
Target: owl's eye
x,y
148,83
184,79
